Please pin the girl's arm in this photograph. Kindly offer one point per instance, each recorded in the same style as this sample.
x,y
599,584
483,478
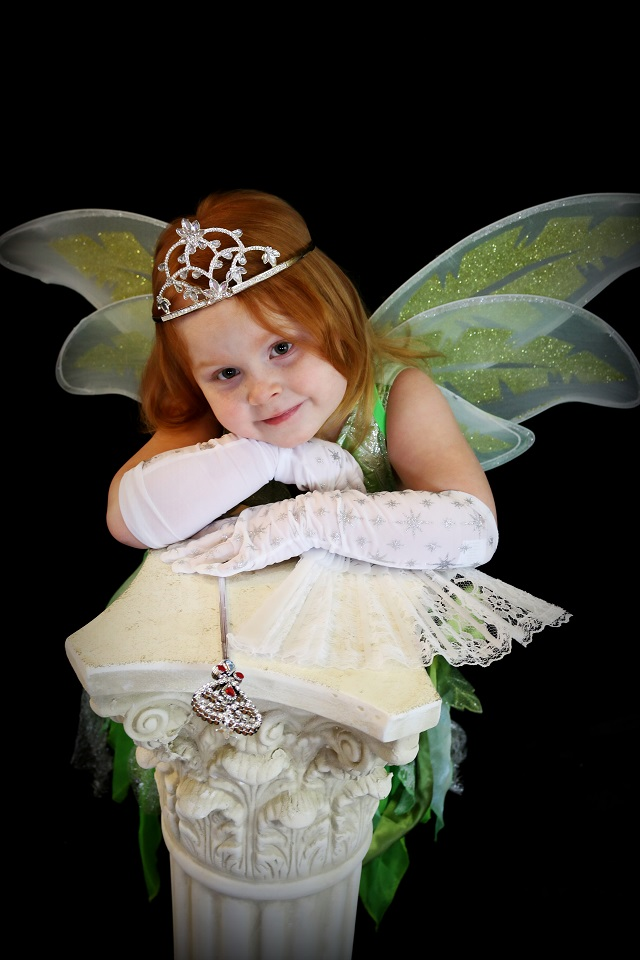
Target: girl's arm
x,y
166,493
162,440
426,447
406,529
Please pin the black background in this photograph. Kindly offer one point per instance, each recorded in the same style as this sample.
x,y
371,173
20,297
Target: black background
x,y
542,843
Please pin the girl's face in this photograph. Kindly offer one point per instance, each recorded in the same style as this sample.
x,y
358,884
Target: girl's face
x,y
260,385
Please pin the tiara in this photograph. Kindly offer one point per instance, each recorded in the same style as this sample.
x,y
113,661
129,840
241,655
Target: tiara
x,y
192,238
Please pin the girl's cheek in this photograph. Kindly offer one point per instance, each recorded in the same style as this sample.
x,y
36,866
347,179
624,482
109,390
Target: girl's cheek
x,y
214,403
229,414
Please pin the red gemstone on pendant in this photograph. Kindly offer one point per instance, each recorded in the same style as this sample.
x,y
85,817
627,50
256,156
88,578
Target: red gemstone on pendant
x,y
230,692
239,675
221,668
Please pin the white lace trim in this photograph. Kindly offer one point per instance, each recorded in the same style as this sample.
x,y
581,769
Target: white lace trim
x,y
351,614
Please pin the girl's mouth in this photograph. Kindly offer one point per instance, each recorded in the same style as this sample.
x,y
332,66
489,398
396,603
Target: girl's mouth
x,y
282,417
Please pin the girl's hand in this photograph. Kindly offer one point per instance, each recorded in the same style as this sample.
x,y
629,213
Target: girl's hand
x,y
318,465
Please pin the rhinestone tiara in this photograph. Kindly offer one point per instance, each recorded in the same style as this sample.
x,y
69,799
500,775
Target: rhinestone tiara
x,y
193,238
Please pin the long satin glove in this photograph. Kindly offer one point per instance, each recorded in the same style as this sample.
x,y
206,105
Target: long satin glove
x,y
409,529
175,494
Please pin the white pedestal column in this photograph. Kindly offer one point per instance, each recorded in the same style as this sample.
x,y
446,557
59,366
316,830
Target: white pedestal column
x,y
266,833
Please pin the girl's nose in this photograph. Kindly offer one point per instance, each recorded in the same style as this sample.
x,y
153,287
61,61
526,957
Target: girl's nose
x,y
260,391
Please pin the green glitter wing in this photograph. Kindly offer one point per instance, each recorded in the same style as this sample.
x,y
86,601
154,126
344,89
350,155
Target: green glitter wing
x,y
106,352
568,249
504,309
107,256
514,356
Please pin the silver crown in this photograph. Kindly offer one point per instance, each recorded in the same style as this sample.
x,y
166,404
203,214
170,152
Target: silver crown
x,y
192,238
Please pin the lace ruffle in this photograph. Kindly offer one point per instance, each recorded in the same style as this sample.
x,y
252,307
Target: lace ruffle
x,y
331,610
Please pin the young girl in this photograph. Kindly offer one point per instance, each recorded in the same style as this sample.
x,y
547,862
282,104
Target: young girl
x,y
266,378
285,422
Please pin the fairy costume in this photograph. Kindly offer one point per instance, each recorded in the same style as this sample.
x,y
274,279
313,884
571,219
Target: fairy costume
x,y
504,308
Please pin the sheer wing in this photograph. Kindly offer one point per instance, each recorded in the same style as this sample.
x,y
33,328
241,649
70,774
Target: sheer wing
x,y
504,309
568,250
107,256
106,352
494,439
514,355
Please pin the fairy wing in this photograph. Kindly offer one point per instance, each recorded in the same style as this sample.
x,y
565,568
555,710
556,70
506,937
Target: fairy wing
x,y
568,249
107,257
106,352
503,311
515,355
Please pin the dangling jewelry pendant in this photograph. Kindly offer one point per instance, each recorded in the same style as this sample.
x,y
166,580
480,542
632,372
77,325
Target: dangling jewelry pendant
x,y
221,702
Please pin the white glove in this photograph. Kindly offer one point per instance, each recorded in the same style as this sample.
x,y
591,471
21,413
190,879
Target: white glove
x,y
409,529
175,494
317,465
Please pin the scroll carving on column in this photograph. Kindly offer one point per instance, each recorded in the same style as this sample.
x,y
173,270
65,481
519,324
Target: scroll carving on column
x,y
293,800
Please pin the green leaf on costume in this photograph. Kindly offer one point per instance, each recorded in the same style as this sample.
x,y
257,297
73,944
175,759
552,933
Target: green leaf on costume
x,y
407,804
129,775
453,687
122,746
149,840
380,879
403,791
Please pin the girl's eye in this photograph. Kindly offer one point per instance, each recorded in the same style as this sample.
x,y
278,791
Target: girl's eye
x,y
280,349
227,374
